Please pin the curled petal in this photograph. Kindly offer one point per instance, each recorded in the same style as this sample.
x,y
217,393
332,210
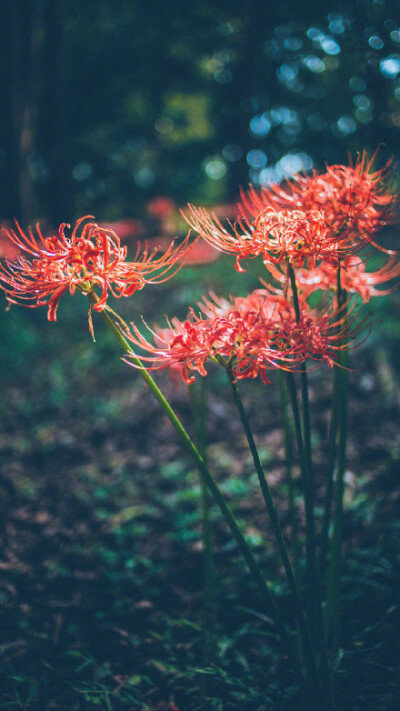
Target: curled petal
x,y
83,258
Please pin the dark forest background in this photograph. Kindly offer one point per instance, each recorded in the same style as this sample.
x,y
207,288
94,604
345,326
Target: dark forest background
x,y
108,104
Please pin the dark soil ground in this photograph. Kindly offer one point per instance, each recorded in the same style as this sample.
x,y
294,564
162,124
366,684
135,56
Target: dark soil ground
x,y
102,562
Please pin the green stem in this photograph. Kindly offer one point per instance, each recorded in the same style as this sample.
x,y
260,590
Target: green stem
x,y
333,596
326,522
307,433
219,499
200,426
314,587
310,529
287,437
306,416
310,533
308,649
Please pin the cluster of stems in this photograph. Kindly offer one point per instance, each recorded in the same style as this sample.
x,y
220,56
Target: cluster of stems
x,y
313,645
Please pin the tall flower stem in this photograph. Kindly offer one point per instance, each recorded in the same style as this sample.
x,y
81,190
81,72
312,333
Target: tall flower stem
x,y
305,402
306,640
329,491
304,449
333,596
287,437
310,693
314,585
199,410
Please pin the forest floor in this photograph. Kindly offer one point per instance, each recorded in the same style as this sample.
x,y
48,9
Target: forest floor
x,y
102,557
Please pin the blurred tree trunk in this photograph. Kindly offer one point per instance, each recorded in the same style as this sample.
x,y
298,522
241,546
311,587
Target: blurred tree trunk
x,y
55,113
26,39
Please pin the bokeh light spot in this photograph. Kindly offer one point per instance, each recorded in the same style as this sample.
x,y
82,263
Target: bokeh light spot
x,y
256,158
390,66
375,42
224,76
260,125
330,46
164,125
336,24
362,102
357,84
363,115
293,43
314,63
346,125
215,168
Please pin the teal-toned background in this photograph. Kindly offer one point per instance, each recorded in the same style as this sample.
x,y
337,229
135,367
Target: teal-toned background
x,y
106,105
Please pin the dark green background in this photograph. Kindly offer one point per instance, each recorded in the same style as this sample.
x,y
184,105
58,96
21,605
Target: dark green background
x,y
106,104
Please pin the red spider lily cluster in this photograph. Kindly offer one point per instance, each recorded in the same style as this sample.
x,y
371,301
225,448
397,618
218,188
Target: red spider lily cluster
x,y
316,226
310,233
249,335
319,218
355,201
89,256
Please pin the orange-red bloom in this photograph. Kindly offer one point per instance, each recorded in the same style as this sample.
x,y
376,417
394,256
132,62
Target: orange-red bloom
x,y
275,235
354,277
250,335
318,218
355,201
87,257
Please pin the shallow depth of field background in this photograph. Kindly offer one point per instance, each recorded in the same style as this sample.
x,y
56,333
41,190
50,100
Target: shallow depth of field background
x,y
126,111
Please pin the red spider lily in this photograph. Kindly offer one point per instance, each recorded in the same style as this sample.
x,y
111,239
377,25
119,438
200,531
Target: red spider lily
x,y
271,306
354,277
355,200
90,256
275,235
249,335
295,235
318,335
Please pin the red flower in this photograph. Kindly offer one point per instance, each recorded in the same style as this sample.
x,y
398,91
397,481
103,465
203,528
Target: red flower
x,y
355,201
275,235
296,235
354,277
250,335
90,256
